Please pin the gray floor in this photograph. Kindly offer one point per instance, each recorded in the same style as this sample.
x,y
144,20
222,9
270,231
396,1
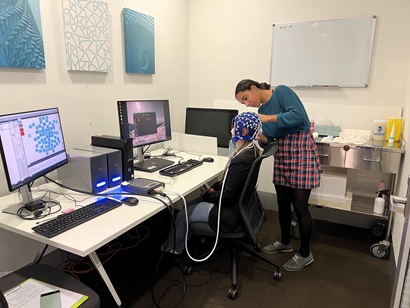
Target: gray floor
x,y
343,274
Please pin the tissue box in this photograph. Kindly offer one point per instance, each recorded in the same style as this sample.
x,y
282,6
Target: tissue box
x,y
328,130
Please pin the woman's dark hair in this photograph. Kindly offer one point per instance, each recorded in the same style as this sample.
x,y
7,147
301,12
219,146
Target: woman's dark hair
x,y
246,84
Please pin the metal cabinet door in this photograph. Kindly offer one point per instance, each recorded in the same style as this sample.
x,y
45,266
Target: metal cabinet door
x,y
331,155
373,159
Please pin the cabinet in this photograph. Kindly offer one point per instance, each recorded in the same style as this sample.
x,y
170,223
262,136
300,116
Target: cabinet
x,y
359,157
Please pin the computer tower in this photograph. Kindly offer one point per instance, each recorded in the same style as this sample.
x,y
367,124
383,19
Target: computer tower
x,y
123,144
85,171
114,162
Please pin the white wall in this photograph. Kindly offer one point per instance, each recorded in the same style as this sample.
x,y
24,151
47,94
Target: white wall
x,y
87,101
230,40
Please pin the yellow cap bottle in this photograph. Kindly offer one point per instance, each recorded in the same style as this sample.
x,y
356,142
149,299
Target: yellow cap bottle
x,y
398,122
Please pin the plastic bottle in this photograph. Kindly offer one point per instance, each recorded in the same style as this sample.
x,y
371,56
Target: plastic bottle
x,y
379,203
391,138
312,125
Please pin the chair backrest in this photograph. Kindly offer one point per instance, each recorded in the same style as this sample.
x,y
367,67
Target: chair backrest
x,y
250,206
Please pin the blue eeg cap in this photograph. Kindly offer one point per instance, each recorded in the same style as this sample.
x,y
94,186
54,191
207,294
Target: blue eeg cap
x,y
249,120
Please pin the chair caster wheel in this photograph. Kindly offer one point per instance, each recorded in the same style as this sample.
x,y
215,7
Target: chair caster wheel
x,y
188,270
277,275
233,293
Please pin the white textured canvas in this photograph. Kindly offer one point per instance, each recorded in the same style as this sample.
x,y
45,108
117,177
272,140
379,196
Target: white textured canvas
x,y
87,35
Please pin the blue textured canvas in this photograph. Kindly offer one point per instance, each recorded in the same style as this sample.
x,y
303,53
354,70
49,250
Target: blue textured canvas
x,y
21,40
139,42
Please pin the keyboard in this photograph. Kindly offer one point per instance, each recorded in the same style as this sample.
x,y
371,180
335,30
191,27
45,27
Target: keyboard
x,y
70,220
180,168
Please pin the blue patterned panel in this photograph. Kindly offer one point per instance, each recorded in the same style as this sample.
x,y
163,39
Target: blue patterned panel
x,y
87,41
139,42
21,41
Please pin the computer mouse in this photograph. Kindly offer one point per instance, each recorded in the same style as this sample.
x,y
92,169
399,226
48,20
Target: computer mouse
x,y
130,201
208,159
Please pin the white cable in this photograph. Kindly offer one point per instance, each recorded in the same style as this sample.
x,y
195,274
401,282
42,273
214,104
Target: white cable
x,y
219,213
187,225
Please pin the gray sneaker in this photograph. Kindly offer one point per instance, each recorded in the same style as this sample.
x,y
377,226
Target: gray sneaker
x,y
277,247
298,262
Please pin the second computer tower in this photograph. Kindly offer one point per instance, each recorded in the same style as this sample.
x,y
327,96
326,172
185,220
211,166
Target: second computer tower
x,y
114,162
123,144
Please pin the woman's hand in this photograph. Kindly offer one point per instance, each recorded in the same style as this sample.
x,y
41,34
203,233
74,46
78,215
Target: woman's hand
x,y
262,138
206,190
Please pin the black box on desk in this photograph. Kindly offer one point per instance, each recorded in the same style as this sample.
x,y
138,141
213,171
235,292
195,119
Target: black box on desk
x,y
85,171
123,144
114,162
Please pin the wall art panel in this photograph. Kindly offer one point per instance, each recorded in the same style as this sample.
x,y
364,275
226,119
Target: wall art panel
x,y
21,38
139,42
87,35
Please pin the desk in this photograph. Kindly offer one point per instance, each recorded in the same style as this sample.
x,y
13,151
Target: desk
x,y
105,228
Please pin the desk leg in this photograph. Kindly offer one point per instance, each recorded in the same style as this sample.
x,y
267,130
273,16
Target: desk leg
x,y
40,253
98,265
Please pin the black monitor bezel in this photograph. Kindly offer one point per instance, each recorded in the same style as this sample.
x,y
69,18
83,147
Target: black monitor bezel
x,y
24,114
232,113
124,131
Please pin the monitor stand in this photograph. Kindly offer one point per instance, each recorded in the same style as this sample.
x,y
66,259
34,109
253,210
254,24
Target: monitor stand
x,y
27,197
151,164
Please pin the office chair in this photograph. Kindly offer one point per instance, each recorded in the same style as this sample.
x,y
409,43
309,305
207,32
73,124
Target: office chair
x,y
252,215
49,275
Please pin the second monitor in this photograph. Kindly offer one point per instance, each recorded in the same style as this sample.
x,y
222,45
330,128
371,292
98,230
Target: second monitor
x,y
211,122
146,122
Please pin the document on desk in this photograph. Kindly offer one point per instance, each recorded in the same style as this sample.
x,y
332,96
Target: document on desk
x,y
27,295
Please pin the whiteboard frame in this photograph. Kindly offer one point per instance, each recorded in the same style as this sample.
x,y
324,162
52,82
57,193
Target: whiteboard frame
x,y
315,58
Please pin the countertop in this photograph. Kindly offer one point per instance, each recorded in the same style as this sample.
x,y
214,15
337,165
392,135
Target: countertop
x,y
368,146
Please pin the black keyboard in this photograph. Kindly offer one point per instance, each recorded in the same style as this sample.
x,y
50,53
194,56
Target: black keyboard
x,y
180,168
67,221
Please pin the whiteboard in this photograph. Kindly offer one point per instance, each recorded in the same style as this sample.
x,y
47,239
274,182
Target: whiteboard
x,y
328,53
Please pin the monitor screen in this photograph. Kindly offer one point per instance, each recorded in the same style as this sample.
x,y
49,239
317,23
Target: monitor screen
x,y
144,121
210,122
31,145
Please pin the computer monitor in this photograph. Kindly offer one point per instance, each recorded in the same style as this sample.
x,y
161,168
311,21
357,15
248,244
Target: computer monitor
x,y
146,122
211,122
31,145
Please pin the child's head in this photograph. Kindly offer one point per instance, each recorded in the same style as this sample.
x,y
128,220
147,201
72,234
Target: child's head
x,y
246,126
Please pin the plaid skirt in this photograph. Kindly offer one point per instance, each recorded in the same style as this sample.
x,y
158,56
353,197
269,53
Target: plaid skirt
x,y
297,162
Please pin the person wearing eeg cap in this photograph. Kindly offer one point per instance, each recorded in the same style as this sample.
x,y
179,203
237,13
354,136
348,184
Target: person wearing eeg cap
x,y
246,127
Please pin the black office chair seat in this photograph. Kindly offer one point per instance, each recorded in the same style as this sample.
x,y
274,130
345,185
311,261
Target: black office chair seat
x,y
252,216
52,276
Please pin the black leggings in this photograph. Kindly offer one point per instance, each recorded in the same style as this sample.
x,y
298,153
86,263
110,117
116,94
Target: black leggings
x,y
299,198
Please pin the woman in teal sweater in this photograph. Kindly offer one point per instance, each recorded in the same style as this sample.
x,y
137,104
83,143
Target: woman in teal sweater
x,y
296,164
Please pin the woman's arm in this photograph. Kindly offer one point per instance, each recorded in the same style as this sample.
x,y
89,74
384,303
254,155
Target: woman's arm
x,y
268,118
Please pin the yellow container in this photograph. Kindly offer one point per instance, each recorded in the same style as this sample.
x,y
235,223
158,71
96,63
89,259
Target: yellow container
x,y
398,122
